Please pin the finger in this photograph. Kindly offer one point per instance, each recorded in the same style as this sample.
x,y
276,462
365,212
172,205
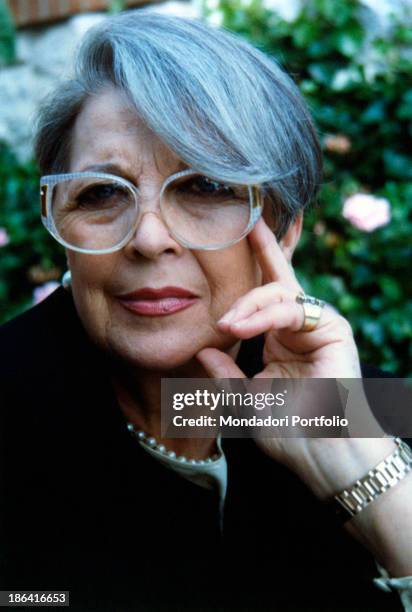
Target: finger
x,y
273,263
283,315
218,364
255,300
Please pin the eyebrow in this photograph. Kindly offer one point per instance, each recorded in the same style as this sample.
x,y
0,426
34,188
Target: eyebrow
x,y
107,167
112,168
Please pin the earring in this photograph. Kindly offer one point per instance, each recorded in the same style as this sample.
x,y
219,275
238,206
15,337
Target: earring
x,y
67,280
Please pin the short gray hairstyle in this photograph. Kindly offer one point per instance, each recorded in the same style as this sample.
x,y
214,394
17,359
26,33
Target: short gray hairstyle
x,y
223,106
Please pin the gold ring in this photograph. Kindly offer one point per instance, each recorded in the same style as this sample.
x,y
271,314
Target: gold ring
x,y
312,309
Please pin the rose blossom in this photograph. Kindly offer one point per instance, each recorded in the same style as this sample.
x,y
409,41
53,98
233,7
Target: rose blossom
x,y
4,237
337,143
367,212
40,293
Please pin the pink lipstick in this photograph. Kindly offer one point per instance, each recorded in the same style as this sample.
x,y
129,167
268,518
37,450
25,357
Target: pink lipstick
x,y
157,302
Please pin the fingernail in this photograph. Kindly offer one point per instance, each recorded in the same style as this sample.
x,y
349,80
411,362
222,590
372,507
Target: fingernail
x,y
229,316
240,323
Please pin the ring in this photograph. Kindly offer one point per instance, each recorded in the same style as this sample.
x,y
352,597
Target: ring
x,y
312,309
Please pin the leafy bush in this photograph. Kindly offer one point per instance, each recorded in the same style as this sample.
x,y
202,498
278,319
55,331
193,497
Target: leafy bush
x,y
7,36
28,256
360,94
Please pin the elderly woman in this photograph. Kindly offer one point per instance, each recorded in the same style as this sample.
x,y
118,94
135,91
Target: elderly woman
x,y
177,165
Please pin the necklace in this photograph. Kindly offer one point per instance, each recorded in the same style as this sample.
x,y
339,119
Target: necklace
x,y
151,442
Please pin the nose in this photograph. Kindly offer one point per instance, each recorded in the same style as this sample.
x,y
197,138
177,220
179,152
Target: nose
x,y
152,238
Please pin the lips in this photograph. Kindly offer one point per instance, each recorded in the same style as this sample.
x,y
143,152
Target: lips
x,y
157,302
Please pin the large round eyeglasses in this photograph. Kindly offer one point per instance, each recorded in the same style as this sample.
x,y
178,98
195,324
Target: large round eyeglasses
x,y
99,213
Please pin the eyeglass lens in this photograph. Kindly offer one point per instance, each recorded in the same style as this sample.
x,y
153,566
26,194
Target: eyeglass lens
x,y
204,212
93,213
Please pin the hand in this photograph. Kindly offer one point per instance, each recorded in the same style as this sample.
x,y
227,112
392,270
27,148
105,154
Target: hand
x,y
329,351
326,465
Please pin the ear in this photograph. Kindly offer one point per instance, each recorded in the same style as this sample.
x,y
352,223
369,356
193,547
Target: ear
x,y
291,238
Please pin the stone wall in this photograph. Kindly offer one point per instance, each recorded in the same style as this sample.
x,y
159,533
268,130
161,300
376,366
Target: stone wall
x,y
43,56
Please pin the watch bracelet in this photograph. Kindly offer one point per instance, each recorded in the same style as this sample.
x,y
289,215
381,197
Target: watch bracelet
x,y
385,475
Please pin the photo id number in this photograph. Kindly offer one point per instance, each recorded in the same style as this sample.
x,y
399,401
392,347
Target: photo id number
x,y
34,598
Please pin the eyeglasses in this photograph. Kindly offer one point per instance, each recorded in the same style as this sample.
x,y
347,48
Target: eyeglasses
x,y
99,213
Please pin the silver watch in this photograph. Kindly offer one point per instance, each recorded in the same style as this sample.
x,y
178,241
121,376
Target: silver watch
x,y
378,480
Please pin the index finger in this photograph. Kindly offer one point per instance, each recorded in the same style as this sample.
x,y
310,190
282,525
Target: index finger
x,y
273,263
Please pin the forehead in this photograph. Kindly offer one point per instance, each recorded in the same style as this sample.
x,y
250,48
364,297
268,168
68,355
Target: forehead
x,y
108,130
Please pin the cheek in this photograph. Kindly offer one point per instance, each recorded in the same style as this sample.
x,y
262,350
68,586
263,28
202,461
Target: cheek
x,y
90,276
93,273
230,273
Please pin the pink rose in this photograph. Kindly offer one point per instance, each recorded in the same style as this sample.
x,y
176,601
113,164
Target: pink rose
x,y
337,143
4,237
40,293
366,212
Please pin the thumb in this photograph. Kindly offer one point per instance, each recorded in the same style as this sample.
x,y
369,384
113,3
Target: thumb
x,y
218,364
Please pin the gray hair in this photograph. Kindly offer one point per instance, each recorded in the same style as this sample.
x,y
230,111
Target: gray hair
x,y
224,107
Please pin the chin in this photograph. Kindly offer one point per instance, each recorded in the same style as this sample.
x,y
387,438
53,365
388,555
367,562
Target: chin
x,y
161,363
167,351
157,353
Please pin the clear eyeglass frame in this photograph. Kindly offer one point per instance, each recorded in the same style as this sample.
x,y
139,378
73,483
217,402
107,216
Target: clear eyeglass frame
x,y
48,182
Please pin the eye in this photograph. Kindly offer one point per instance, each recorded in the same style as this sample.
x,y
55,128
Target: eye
x,y
102,195
202,185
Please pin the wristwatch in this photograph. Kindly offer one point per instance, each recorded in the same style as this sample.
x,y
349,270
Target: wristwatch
x,y
382,477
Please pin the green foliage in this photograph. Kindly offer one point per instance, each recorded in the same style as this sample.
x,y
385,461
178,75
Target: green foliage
x,y
31,257
360,94
116,6
7,35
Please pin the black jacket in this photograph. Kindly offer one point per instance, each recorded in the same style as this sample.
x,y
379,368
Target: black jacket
x,y
84,508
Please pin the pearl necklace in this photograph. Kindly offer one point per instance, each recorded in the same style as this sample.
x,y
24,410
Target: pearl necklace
x,y
152,443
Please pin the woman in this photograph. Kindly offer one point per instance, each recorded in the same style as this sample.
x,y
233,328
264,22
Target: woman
x,y
178,162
